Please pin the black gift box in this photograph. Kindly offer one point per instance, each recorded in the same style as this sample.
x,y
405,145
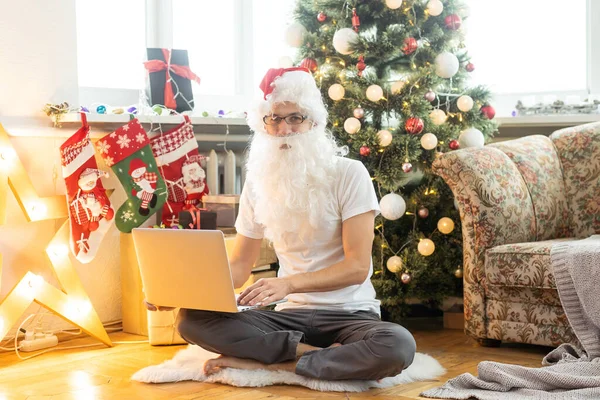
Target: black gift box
x,y
208,220
158,80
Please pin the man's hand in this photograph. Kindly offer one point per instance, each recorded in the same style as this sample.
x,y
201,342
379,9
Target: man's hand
x,y
152,307
265,291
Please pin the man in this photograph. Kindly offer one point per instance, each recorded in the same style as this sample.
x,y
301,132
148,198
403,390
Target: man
x,y
318,209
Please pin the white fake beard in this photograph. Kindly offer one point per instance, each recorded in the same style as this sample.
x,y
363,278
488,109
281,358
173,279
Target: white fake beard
x,y
291,178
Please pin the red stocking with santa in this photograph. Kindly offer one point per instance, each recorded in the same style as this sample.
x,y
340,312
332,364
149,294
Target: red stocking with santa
x,y
176,154
90,211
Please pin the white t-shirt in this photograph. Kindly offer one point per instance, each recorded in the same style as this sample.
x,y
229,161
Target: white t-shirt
x,y
354,194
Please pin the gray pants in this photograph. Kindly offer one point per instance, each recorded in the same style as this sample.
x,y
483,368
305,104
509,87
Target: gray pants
x,y
371,349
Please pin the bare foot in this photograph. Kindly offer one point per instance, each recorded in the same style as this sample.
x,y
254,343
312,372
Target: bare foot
x,y
216,364
335,345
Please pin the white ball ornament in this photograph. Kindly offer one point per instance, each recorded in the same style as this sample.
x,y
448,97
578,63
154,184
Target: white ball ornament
x,y
429,141
471,137
294,34
446,65
285,62
336,91
438,117
343,39
394,264
392,206
435,7
374,93
352,125
445,225
393,4
426,247
385,137
465,103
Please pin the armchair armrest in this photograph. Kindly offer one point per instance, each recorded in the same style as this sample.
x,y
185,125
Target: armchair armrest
x,y
495,208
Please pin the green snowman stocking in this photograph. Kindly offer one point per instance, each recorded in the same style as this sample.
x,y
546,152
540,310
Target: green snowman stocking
x,y
127,151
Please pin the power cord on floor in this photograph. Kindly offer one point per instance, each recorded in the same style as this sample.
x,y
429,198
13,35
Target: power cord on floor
x,y
68,332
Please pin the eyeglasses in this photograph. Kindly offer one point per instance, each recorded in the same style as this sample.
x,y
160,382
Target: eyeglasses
x,y
293,119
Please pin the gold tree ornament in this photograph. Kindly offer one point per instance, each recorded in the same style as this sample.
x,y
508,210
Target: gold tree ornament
x,y
394,264
445,225
426,247
72,302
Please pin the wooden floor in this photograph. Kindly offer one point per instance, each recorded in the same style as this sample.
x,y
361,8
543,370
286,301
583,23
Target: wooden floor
x,y
103,373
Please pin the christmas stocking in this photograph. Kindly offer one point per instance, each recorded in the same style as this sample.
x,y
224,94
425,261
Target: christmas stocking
x,y
195,181
90,212
127,151
173,150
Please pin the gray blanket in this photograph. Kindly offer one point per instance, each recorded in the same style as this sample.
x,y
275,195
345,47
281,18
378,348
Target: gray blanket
x,y
568,372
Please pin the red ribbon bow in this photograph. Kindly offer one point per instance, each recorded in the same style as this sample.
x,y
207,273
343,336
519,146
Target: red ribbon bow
x,y
266,83
195,213
183,71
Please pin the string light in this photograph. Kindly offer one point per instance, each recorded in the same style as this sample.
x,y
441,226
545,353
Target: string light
x,y
37,210
8,154
75,309
28,287
57,251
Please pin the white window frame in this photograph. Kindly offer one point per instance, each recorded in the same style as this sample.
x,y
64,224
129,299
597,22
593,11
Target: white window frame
x,y
159,33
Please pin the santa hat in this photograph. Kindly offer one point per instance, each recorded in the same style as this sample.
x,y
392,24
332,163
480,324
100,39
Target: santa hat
x,y
92,171
293,85
136,163
196,158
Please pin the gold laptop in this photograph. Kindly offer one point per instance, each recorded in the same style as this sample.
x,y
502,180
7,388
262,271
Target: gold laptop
x,y
186,268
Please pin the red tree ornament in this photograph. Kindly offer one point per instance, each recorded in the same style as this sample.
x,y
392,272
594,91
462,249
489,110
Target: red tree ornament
x,y
488,111
414,125
365,151
309,63
407,167
360,65
321,17
452,22
423,212
470,67
454,144
355,20
410,46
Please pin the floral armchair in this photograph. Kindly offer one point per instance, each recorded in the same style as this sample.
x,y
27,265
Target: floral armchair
x,y
516,199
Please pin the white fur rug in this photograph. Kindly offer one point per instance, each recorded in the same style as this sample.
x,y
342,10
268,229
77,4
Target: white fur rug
x,y
188,365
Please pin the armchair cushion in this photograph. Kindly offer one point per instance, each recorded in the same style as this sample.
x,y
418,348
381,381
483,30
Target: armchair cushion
x,y
521,264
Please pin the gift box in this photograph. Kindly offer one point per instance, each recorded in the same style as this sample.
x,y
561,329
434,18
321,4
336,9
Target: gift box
x,y
163,64
198,219
454,317
226,206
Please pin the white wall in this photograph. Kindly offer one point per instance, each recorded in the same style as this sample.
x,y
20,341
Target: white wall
x,y
38,64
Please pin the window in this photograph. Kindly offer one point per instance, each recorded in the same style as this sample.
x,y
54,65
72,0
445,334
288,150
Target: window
x,y
270,20
518,47
528,46
111,43
206,29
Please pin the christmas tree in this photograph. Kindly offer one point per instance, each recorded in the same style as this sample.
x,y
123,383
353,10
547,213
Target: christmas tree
x,y
395,75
